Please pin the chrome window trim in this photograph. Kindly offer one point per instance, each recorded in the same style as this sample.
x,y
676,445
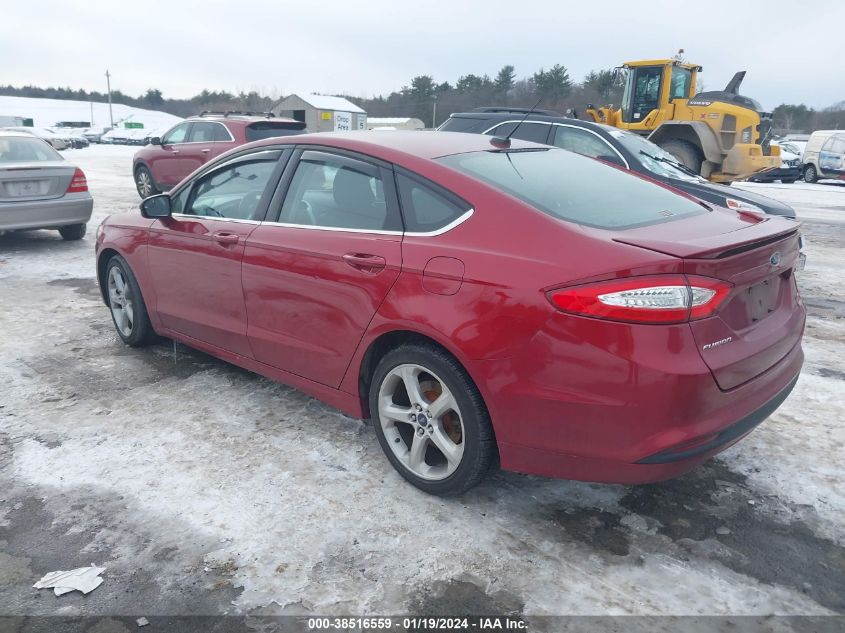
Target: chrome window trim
x,y
189,216
459,220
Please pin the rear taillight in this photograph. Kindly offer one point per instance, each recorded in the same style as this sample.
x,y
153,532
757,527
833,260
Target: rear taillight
x,y
657,299
78,183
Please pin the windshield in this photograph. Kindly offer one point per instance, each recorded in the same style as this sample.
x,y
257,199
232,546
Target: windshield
x,y
25,149
653,157
572,187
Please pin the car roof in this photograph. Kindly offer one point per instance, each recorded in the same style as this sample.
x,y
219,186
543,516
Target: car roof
x,y
384,144
239,118
14,133
502,115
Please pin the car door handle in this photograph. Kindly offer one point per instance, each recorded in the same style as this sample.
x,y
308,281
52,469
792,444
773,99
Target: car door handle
x,y
225,238
174,151
205,151
365,262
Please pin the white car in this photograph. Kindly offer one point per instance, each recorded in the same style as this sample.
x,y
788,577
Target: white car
x,y
57,141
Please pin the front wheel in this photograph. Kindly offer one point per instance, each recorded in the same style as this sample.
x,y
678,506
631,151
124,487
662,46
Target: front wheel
x,y
810,174
685,152
431,421
144,182
128,311
72,232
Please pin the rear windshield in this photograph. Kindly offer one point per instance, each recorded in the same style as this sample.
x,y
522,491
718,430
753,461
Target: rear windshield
x,y
575,188
25,149
269,129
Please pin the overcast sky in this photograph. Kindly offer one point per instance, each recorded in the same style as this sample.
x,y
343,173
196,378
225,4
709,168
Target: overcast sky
x,y
791,50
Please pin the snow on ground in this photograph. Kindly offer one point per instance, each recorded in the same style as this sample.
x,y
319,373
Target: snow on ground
x,y
206,489
47,112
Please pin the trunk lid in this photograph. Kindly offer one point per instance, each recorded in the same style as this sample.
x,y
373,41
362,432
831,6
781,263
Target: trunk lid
x,y
762,319
25,182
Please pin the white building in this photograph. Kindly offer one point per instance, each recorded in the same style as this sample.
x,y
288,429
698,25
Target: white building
x,y
322,113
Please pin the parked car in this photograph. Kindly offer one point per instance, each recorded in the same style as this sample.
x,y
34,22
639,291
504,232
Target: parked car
x,y
824,156
56,141
192,143
39,189
790,166
611,145
74,137
95,134
482,301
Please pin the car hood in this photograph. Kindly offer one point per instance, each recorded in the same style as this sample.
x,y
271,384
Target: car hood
x,y
714,193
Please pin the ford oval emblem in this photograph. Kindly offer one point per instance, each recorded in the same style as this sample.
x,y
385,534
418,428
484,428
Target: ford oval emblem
x,y
774,260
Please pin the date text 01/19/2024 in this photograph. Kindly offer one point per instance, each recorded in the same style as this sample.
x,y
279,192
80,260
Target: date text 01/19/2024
x,y
423,623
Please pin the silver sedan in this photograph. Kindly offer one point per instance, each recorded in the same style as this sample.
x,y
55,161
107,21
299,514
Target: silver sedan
x,y
39,189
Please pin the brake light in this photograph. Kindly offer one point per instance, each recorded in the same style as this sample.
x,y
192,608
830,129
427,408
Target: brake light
x,y
656,299
78,183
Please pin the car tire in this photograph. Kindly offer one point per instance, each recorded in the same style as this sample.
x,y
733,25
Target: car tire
x,y
144,182
685,152
810,173
72,232
126,303
461,426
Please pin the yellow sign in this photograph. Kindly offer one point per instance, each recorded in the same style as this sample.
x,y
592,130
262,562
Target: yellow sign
x,y
326,116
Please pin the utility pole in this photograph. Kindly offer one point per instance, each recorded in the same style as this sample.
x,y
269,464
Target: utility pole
x,y
108,85
434,113
91,103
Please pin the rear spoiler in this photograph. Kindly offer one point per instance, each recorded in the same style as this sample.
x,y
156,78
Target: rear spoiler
x,y
766,231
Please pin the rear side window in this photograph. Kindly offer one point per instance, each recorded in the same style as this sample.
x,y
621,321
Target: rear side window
x,y
464,124
584,142
425,208
527,131
575,188
270,129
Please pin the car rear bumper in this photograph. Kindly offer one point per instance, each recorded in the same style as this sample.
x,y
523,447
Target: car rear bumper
x,y
42,214
621,408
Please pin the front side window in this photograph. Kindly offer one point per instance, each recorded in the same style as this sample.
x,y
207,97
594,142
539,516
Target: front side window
x,y
584,142
642,93
176,135
232,192
575,188
337,192
424,208
526,131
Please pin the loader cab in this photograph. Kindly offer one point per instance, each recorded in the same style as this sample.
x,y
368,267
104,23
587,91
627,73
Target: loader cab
x,y
644,87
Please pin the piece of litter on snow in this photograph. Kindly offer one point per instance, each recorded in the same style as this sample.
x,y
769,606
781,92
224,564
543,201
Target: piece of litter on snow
x,y
722,530
84,579
142,621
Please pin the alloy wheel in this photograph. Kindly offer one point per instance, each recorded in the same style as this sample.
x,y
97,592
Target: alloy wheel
x,y
121,301
421,421
145,183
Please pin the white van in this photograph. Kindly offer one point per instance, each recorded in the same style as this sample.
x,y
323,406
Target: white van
x,y
824,156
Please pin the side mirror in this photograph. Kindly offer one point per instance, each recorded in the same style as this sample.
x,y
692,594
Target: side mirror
x,y
155,140
156,206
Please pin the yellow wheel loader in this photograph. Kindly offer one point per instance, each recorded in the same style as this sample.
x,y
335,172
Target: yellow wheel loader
x,y
719,134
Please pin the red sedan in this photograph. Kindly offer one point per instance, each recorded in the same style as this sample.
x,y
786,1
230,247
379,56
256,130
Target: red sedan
x,y
484,302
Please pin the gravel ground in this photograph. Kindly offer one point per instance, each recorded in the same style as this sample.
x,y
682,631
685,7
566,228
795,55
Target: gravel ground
x,y
204,489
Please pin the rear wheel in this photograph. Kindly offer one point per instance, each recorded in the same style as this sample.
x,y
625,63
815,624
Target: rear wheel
x,y
810,174
144,182
431,421
128,311
72,232
685,152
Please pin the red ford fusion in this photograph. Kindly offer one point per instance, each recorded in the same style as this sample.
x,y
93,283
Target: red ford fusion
x,y
485,302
